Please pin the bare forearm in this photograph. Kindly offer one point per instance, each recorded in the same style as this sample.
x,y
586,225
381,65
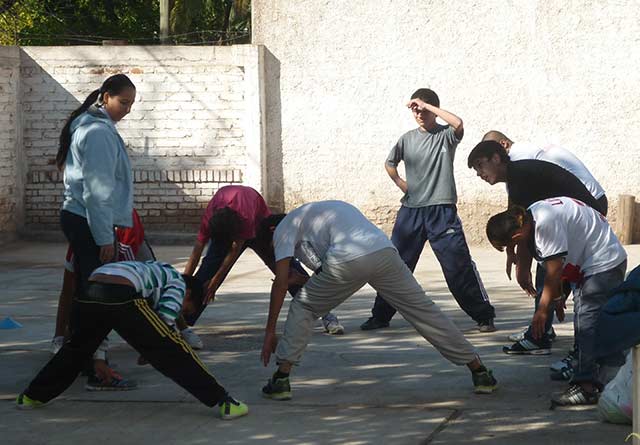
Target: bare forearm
x,y
445,115
194,259
395,177
227,263
552,284
278,292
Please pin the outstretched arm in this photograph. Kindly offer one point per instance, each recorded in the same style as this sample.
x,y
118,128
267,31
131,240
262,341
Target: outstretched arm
x,y
445,115
194,259
550,295
523,269
227,263
278,292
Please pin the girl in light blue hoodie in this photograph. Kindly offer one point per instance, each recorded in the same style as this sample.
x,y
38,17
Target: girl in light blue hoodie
x,y
98,187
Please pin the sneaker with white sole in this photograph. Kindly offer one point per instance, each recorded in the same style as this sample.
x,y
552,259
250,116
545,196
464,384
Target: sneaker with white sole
x,y
56,344
332,325
528,347
192,338
575,395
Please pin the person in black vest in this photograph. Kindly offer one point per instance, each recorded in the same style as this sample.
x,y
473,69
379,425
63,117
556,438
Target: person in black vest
x,y
529,181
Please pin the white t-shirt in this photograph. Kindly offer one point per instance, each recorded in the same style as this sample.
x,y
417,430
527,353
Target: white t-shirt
x,y
568,228
560,157
327,231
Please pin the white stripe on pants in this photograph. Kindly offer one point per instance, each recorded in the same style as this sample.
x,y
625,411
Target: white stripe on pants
x,y
385,271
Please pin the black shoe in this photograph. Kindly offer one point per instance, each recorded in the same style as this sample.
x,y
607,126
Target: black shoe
x,y
573,396
528,347
277,389
373,323
487,326
483,381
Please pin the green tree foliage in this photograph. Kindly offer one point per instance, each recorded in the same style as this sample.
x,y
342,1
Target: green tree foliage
x,y
76,22
223,21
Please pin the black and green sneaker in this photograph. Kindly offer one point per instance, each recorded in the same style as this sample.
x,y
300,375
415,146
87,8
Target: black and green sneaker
x,y
483,381
277,389
231,408
25,402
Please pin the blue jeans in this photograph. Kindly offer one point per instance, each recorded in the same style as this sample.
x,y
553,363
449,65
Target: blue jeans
x,y
588,300
440,225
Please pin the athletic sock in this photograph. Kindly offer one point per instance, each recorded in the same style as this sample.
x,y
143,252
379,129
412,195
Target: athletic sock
x,y
280,375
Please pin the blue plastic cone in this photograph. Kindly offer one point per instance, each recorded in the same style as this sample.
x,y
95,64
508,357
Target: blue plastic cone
x,y
9,323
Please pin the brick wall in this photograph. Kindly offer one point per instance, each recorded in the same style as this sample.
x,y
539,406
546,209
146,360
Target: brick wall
x,y
187,134
10,172
166,200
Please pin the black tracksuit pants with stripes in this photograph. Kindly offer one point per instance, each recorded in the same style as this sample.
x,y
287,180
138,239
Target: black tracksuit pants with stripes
x,y
118,307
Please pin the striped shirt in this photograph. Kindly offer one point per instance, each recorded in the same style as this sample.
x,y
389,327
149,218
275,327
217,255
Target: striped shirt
x,y
156,281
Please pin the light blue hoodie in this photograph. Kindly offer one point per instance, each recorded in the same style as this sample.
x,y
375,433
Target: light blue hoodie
x,y
98,184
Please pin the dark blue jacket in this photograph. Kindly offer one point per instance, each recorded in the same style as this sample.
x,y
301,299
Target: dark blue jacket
x,y
618,325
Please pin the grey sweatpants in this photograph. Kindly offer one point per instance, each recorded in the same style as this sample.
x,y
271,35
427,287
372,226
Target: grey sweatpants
x,y
385,271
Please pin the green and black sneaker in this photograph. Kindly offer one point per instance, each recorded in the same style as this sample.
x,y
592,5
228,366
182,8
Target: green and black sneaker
x,y
25,402
483,381
231,408
277,389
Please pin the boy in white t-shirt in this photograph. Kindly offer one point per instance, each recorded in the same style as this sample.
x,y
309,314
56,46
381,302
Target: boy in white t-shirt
x,y
347,251
573,242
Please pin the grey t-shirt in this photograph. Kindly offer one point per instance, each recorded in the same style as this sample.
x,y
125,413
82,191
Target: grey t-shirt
x,y
428,160
327,231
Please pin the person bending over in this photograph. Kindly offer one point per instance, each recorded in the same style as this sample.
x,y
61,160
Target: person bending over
x,y
347,251
230,225
575,243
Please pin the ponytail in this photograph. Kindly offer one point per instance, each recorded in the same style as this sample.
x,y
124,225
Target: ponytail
x,y
502,227
112,85
65,135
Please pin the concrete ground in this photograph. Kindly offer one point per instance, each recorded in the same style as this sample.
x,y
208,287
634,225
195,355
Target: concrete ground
x,y
387,386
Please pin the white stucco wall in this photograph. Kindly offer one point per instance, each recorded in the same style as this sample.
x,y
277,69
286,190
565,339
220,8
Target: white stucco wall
x,y
339,73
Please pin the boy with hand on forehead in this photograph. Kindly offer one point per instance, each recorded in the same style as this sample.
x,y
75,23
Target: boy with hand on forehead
x,y
428,211
141,302
573,242
347,251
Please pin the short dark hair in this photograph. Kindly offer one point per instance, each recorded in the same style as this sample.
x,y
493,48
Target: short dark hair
x,y
502,226
224,226
486,149
196,287
265,231
427,95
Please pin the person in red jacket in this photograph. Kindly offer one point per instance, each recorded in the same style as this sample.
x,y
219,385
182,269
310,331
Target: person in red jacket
x,y
229,225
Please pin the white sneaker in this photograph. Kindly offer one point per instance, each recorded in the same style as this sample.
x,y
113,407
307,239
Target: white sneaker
x,y
192,338
517,336
56,344
332,325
